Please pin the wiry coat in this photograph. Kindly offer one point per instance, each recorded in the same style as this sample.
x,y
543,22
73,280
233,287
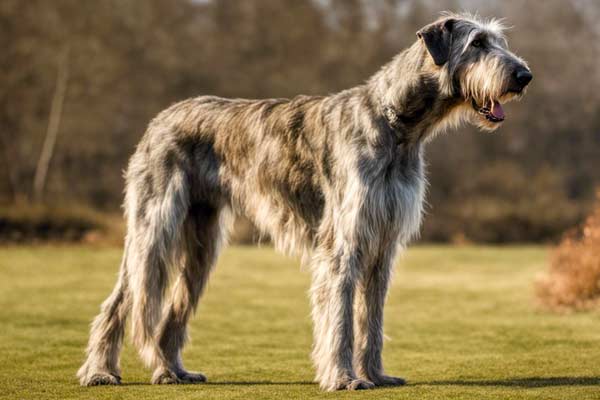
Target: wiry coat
x,y
338,179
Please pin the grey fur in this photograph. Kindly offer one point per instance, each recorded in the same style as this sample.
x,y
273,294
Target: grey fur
x,y
338,179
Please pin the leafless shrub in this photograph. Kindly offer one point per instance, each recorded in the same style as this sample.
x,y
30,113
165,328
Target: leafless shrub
x,y
573,280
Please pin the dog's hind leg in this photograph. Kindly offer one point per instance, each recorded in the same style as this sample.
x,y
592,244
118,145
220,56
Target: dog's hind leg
x,y
202,240
369,303
156,222
102,364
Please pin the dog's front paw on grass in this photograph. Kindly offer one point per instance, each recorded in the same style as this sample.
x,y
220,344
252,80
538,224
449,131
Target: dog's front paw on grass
x,y
101,379
360,384
386,380
354,384
192,377
167,377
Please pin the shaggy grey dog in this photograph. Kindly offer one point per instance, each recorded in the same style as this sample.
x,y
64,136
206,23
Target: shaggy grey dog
x,y
337,179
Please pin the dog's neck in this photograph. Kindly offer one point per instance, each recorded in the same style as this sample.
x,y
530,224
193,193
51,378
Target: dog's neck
x,y
412,94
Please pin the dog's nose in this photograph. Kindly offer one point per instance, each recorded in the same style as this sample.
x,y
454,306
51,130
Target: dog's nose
x,y
523,77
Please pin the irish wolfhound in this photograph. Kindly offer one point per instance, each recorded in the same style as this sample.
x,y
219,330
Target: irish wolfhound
x,y
337,179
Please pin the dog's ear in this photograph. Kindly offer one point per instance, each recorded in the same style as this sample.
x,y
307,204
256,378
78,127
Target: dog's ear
x,y
438,39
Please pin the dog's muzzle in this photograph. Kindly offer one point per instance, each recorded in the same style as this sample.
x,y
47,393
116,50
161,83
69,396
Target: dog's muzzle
x,y
520,79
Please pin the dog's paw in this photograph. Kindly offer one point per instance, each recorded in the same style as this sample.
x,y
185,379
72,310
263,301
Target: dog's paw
x,y
100,379
357,384
167,377
348,384
191,377
344,382
385,380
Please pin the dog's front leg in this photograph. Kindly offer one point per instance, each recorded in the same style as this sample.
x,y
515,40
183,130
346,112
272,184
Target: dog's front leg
x,y
369,303
332,297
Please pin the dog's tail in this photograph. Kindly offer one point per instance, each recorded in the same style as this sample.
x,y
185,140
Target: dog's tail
x,y
154,226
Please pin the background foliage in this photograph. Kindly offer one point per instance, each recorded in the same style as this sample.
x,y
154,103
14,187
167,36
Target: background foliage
x,y
128,59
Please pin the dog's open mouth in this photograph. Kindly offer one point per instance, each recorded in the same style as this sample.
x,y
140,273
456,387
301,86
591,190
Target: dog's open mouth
x,y
492,111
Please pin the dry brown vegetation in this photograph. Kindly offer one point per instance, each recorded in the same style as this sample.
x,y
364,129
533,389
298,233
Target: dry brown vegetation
x,y
573,281
74,223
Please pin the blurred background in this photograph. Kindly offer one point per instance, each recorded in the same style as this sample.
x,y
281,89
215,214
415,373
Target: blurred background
x,y
80,80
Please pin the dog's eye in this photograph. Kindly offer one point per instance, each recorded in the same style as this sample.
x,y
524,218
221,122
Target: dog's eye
x,y
476,43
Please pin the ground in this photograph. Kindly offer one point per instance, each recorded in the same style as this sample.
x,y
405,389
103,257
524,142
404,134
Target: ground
x,y
461,323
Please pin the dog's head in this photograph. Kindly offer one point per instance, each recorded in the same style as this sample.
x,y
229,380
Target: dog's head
x,y
474,61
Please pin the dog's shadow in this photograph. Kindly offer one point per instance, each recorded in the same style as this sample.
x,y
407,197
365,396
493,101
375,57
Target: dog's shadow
x,y
533,382
234,383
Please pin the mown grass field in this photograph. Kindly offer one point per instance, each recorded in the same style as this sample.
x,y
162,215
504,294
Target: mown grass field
x,y
461,324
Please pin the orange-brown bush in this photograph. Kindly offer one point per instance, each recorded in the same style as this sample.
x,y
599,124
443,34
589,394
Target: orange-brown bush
x,y
573,280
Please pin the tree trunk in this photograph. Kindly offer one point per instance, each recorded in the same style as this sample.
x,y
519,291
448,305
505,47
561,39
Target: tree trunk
x,y
41,171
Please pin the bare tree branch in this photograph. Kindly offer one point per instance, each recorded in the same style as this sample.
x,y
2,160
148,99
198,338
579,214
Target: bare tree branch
x,y
58,100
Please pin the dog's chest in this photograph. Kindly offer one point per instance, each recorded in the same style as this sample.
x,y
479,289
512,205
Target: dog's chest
x,y
394,201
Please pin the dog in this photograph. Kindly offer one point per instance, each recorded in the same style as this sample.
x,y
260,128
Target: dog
x,y
338,179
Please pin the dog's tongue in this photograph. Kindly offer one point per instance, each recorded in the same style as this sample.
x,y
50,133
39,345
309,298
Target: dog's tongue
x,y
497,111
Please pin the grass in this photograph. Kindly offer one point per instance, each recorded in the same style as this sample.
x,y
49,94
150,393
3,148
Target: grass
x,y
461,324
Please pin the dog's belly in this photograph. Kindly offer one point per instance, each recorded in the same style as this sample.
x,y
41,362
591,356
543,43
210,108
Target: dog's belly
x,y
289,215
281,194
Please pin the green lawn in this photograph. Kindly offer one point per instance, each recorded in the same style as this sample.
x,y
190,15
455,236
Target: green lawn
x,y
461,324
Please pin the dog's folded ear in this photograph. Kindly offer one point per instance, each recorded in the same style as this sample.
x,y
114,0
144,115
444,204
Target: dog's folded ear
x,y
438,39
